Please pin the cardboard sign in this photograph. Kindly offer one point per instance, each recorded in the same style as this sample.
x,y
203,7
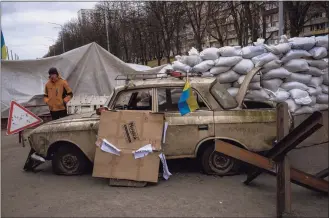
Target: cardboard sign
x,y
20,118
125,150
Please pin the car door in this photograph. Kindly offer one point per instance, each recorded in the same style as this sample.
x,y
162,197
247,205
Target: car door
x,y
183,132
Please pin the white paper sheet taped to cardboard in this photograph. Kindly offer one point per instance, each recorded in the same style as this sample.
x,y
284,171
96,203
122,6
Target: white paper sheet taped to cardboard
x,y
143,151
165,132
166,174
110,148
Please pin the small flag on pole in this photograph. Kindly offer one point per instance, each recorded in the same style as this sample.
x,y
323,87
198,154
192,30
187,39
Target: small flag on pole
x,y
187,102
3,48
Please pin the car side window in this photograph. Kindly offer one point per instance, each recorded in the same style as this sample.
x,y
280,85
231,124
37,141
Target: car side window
x,y
139,99
168,99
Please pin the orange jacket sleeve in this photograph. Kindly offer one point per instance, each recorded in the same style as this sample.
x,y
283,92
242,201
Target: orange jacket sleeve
x,y
68,91
45,97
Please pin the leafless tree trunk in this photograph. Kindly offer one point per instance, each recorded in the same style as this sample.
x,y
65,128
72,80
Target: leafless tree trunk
x,y
198,16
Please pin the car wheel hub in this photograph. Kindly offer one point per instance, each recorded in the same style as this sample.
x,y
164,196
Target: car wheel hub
x,y
220,161
69,161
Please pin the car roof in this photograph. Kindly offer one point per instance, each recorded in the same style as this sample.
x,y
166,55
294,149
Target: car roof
x,y
167,81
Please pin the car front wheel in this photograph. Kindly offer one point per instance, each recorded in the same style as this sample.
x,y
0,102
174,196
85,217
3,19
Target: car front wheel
x,y
216,163
69,160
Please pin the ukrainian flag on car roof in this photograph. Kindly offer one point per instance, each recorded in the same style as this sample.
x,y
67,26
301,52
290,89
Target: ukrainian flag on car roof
x,y
187,102
3,48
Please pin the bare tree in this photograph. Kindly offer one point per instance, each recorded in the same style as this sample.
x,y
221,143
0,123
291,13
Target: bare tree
x,y
198,16
218,14
297,15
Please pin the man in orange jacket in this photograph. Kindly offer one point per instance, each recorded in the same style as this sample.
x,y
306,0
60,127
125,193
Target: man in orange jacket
x,y
57,94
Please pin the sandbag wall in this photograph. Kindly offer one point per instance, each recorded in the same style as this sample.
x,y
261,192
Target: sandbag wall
x,y
294,71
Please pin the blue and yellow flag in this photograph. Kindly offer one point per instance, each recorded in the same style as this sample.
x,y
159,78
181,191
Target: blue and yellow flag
x,y
3,48
187,102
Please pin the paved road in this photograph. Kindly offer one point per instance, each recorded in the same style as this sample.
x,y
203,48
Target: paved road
x,y
187,193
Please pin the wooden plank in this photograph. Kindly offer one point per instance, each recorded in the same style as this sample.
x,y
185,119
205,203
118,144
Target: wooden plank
x,y
322,174
126,183
296,136
308,181
283,190
296,176
244,155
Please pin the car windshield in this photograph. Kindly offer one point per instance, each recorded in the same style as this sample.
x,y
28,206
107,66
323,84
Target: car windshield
x,y
223,97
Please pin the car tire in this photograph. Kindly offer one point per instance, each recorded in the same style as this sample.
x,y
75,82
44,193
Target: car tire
x,y
69,160
216,163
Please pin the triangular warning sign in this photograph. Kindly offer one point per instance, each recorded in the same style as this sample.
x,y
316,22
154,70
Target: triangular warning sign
x,y
20,118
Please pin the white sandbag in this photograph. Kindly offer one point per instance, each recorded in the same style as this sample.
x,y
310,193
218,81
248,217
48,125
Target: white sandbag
x,y
305,43
254,85
296,65
314,91
315,71
303,101
236,84
228,77
193,51
262,59
322,99
278,49
227,61
300,97
207,74
299,77
210,54
295,54
322,41
218,70
294,85
298,93
321,64
279,96
233,91
276,73
228,51
260,95
324,89
256,78
292,106
252,51
304,110
318,52
316,81
272,65
203,66
244,66
326,77
191,60
320,107
181,67
272,84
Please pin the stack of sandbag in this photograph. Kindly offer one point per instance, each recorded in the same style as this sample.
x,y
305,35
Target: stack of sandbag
x,y
307,69
294,71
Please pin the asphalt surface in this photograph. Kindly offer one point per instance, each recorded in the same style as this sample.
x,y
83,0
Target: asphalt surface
x,y
187,193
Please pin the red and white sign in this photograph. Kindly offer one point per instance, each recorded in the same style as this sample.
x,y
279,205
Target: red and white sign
x,y
20,118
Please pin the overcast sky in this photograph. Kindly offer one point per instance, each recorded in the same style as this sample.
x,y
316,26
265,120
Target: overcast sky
x,y
25,24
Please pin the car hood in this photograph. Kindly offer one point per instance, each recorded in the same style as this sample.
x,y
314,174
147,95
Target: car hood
x,y
70,118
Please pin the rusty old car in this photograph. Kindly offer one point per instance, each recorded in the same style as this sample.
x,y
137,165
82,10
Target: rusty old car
x,y
70,142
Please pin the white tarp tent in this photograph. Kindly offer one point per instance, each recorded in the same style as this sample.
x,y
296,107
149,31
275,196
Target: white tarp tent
x,y
89,69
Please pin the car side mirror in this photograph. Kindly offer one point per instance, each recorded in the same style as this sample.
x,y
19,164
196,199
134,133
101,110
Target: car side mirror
x,y
100,110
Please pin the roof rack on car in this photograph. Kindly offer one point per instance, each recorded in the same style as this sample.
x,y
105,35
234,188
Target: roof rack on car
x,y
155,76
